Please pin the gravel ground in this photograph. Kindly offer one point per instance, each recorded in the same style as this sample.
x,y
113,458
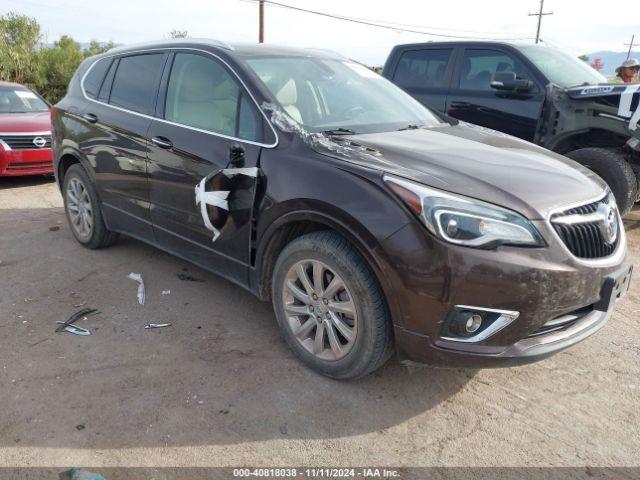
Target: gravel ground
x,y
220,388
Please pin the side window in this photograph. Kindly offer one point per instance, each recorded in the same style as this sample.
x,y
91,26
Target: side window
x,y
134,83
105,89
479,66
249,124
422,68
202,94
93,80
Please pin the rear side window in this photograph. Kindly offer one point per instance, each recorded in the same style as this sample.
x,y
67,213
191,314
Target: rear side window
x,y
479,66
203,94
134,83
94,78
422,68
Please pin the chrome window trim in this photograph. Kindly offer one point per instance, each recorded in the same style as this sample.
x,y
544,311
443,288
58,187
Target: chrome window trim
x,y
612,259
186,49
506,318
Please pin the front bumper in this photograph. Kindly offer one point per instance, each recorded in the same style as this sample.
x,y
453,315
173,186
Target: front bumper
x,y
25,162
429,278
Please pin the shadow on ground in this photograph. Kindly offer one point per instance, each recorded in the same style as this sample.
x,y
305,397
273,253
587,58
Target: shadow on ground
x,y
221,374
28,181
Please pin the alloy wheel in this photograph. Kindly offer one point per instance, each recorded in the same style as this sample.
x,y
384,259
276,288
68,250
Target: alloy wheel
x,y
320,310
79,208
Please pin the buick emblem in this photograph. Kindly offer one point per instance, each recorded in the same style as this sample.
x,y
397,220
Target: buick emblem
x,y
609,224
39,142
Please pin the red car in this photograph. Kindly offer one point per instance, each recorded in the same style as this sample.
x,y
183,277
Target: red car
x,y
25,132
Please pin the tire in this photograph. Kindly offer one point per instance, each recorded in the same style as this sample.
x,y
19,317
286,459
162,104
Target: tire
x,y
360,307
77,185
614,169
636,170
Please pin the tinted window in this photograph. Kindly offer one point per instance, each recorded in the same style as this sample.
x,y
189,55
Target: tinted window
x,y
106,84
93,80
134,84
249,124
422,68
479,66
202,94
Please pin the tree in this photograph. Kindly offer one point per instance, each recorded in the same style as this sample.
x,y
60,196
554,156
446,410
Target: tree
x,y
178,34
19,37
56,67
584,58
96,48
597,64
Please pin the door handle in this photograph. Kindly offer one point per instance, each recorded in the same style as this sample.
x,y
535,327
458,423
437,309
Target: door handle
x,y
162,142
236,155
90,117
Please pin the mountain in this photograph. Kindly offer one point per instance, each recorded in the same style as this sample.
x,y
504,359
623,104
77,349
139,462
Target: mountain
x,y
611,60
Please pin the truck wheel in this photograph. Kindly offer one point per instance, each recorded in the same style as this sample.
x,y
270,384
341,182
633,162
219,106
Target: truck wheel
x,y
330,307
636,170
614,169
83,211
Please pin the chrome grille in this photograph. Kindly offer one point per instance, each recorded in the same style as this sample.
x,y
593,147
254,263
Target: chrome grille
x,y
26,141
589,231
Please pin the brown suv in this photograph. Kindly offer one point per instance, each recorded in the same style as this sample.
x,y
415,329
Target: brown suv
x,y
368,220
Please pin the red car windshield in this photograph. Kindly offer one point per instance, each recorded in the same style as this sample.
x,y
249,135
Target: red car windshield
x,y
20,100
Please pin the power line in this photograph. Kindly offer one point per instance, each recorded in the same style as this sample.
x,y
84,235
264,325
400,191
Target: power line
x,y
540,15
373,23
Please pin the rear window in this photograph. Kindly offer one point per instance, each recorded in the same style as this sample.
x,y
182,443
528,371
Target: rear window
x,y
422,68
134,84
94,78
15,99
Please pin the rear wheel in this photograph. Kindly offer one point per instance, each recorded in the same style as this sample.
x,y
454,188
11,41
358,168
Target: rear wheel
x,y
614,169
330,307
82,207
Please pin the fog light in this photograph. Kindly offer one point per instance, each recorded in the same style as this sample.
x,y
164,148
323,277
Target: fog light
x,y
465,323
473,323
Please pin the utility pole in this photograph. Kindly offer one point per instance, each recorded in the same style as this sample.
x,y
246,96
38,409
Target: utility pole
x,y
631,45
261,31
539,15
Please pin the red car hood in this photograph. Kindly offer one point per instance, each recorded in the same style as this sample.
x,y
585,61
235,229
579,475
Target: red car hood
x,y
25,122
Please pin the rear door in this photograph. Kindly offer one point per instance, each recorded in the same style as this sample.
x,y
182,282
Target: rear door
x,y
208,122
425,73
472,99
122,95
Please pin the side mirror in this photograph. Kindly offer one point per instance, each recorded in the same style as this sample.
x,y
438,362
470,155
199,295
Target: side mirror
x,y
507,81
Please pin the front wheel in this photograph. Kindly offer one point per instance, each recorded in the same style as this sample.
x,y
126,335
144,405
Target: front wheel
x,y
614,169
330,307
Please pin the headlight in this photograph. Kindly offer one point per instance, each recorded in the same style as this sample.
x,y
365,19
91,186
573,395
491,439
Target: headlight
x,y
465,221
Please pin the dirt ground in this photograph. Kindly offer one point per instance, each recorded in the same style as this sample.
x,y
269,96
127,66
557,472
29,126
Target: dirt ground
x,y
220,387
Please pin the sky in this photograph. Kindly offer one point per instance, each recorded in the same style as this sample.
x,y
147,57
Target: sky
x,y
576,26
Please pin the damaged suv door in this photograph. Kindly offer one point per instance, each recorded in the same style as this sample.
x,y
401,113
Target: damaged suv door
x,y
203,158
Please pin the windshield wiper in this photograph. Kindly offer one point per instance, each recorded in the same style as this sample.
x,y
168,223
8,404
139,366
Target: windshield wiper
x,y
339,131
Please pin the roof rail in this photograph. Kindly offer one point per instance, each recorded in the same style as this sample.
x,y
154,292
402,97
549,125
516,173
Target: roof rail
x,y
208,41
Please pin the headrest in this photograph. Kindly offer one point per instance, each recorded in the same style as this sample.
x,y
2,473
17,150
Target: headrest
x,y
288,94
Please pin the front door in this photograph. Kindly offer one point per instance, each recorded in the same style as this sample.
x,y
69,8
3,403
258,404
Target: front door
x,y
209,128
472,99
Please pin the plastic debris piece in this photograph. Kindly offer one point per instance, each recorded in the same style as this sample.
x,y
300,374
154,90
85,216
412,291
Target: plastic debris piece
x,y
68,325
141,291
166,292
156,325
249,172
70,328
79,474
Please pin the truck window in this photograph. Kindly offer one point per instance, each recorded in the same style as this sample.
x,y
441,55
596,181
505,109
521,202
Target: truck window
x,y
479,66
422,68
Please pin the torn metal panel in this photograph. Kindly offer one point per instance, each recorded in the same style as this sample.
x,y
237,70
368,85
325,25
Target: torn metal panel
x,y
141,290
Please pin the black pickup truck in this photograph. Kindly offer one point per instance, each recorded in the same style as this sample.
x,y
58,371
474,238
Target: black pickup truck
x,y
534,92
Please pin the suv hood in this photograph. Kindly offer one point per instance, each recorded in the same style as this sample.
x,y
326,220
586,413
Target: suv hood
x,y
25,122
476,162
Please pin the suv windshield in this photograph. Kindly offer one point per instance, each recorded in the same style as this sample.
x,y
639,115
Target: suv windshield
x,y
562,69
20,100
338,95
